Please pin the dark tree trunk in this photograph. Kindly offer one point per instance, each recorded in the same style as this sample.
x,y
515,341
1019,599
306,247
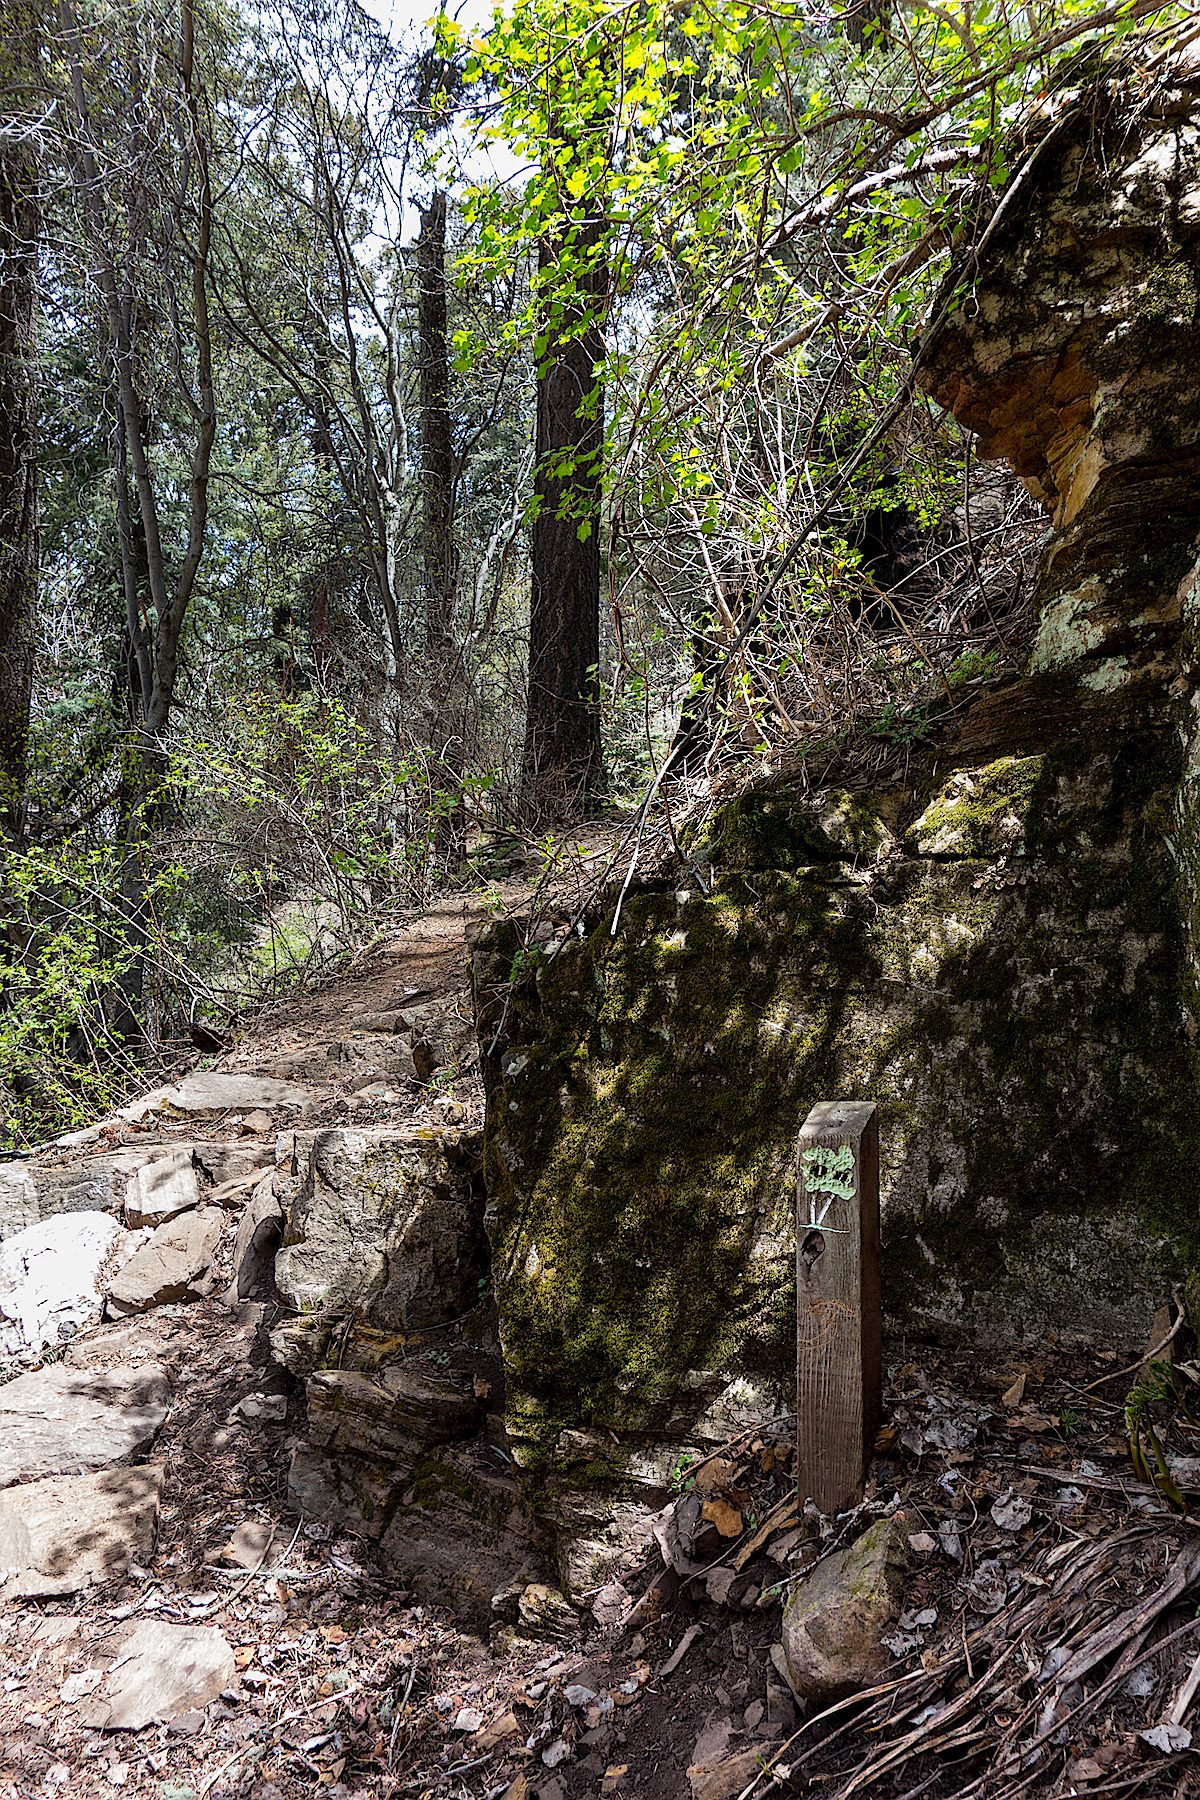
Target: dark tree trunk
x,y
437,450
563,768
19,224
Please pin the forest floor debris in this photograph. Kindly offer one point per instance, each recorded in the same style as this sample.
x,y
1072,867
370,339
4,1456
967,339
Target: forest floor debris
x,y
1046,1640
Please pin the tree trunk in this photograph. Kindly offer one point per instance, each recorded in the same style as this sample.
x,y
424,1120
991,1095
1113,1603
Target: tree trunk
x,y
19,225
563,770
437,451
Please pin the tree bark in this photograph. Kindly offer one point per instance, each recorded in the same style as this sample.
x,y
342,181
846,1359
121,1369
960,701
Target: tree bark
x,y
437,449
563,771
19,227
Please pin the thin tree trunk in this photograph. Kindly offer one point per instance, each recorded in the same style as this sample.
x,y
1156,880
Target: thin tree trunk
x,y
19,228
563,769
437,450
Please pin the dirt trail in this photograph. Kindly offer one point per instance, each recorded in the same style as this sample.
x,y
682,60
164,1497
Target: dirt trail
x,y
347,1686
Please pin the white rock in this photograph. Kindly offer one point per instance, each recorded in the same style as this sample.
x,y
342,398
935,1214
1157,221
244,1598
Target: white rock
x,y
50,1279
162,1189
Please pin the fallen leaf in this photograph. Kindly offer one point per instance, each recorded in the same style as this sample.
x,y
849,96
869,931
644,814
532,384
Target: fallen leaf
x,y
715,1476
505,1726
333,1634
244,1655
780,1518
726,1518
518,1788
1167,1738
1011,1512
1013,1396
612,1778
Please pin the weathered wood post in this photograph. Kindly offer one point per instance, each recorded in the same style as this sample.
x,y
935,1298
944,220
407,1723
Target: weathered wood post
x,y
838,1307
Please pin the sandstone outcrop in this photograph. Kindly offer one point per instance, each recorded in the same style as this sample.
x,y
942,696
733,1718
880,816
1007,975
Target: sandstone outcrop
x,y
994,941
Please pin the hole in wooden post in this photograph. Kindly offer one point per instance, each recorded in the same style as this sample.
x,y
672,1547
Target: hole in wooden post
x,y
811,1250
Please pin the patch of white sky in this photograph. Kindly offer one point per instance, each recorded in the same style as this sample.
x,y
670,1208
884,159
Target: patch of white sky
x,y
475,157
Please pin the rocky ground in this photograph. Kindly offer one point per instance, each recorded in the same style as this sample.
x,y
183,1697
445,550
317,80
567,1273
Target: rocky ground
x,y
187,1610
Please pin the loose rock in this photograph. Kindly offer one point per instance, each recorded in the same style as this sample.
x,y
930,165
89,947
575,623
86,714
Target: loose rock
x,y
836,1617
176,1264
162,1189
64,1421
161,1671
60,1535
258,1234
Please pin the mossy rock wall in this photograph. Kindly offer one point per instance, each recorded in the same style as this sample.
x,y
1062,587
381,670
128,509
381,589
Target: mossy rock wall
x,y
993,954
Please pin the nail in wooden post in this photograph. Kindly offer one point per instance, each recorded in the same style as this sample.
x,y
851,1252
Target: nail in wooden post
x,y
839,1310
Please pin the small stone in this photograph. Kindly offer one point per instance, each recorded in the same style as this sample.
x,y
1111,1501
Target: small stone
x,y
717,1584
269,1407
922,1543
726,1780
187,1724
557,1752
250,1546
467,1720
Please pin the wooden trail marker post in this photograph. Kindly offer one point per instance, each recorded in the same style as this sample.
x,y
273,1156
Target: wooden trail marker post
x,y
839,1377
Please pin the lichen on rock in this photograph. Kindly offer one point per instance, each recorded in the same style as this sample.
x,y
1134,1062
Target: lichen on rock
x,y
999,951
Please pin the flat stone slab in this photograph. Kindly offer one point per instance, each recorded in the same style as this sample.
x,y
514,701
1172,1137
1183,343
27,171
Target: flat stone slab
x,y
161,1671
206,1090
70,1532
62,1421
29,1192
162,1189
50,1279
176,1263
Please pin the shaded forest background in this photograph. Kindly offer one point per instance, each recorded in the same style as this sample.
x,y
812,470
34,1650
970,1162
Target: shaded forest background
x,y
412,446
